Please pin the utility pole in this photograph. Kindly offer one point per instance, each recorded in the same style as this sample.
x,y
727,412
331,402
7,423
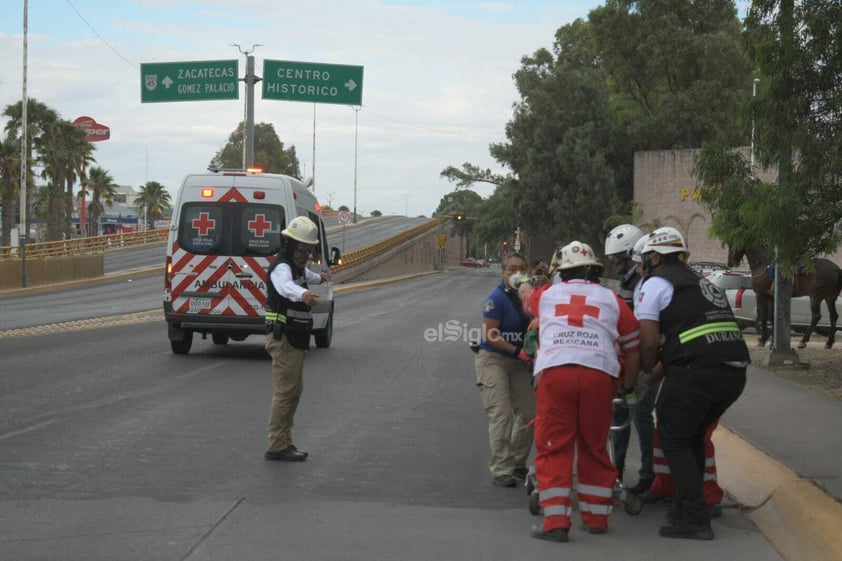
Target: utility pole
x,y
248,122
23,228
356,109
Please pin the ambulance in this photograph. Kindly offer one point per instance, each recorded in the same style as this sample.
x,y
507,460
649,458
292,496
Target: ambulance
x,y
225,232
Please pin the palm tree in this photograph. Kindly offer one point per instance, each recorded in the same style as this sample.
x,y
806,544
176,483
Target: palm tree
x,y
103,191
63,150
155,199
9,183
38,115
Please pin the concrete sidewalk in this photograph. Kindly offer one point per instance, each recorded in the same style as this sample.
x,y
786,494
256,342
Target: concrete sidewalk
x,y
780,455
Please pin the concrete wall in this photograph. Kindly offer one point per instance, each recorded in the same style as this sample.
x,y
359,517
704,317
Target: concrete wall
x,y
50,270
668,196
418,255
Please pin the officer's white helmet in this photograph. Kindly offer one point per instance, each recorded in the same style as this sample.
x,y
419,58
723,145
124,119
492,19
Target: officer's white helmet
x,y
622,239
665,240
302,229
638,249
578,254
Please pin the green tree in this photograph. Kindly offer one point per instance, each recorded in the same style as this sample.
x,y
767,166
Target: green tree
x,y
563,143
798,128
9,183
376,213
63,151
103,191
38,115
676,69
269,152
155,199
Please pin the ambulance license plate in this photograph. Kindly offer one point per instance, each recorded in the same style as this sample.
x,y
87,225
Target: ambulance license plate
x,y
199,304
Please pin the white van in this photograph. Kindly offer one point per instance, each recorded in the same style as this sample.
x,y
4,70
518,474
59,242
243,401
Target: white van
x,y
225,232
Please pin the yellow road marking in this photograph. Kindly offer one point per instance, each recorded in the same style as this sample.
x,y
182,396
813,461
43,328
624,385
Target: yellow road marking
x,y
85,324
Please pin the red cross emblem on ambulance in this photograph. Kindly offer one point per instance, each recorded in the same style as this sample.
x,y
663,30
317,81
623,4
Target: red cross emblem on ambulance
x,y
259,225
204,223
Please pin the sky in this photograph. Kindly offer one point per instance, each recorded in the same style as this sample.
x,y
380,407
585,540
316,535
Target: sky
x,y
437,87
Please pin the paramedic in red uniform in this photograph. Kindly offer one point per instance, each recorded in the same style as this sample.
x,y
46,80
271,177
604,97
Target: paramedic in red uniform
x,y
288,328
687,325
583,328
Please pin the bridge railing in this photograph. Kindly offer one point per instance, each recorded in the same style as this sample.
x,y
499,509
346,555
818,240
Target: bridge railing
x,y
82,246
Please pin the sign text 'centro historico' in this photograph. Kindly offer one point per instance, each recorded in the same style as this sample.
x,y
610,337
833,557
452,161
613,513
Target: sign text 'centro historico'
x,y
310,81
189,81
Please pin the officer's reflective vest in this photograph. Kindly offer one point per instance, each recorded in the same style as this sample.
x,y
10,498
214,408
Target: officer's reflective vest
x,y
293,318
698,325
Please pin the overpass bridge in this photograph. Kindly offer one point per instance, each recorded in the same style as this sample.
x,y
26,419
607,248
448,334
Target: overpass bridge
x,y
373,248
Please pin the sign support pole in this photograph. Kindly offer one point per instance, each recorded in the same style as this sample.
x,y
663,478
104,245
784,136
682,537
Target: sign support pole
x,y
23,229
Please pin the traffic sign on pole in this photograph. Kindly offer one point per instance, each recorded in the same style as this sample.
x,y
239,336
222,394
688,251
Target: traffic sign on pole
x,y
188,81
311,81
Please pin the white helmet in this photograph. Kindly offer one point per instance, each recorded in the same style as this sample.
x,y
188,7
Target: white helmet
x,y
638,249
578,254
665,240
302,229
621,239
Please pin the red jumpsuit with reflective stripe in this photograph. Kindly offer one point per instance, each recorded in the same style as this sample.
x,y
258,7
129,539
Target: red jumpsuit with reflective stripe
x,y
579,364
664,484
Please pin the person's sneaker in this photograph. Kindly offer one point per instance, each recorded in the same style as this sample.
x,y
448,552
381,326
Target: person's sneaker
x,y
288,454
685,531
641,486
503,481
521,473
554,535
593,529
650,498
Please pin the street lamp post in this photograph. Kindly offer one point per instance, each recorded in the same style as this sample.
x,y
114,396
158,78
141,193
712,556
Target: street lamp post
x,y
753,95
356,109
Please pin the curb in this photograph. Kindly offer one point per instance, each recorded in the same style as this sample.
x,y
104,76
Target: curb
x,y
799,519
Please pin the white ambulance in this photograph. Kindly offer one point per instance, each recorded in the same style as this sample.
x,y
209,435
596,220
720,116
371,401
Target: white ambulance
x,y
225,232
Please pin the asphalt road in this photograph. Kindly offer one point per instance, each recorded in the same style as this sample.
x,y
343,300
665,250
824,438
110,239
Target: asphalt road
x,y
114,449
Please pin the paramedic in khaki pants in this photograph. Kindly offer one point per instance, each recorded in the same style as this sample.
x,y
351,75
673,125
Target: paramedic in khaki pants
x,y
504,379
687,325
288,328
583,328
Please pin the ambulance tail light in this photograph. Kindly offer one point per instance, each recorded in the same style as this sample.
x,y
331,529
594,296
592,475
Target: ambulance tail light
x,y
168,276
207,192
318,207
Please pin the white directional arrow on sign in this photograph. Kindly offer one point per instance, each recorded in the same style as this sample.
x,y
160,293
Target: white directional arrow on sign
x,y
351,85
167,82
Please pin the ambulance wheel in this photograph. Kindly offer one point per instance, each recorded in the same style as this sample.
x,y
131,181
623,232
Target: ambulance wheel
x,y
219,339
325,336
182,347
534,504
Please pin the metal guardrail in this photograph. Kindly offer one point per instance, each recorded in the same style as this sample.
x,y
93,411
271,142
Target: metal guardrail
x,y
356,257
83,246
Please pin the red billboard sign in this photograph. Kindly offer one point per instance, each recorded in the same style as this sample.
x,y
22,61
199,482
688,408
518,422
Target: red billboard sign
x,y
94,131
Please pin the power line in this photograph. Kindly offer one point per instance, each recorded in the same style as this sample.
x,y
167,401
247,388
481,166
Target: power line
x,y
101,38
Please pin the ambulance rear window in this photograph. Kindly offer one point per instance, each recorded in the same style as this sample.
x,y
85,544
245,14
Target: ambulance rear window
x,y
214,228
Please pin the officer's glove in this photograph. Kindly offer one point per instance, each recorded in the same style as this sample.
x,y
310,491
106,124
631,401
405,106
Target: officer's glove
x,y
629,398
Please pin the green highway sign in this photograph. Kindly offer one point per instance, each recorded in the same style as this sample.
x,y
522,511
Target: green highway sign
x,y
312,81
188,81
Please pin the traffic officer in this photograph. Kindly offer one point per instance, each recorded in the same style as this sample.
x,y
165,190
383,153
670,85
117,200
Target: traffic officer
x,y
687,325
504,378
583,327
288,328
619,246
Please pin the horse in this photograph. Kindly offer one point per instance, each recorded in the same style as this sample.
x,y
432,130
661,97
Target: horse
x,y
822,285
